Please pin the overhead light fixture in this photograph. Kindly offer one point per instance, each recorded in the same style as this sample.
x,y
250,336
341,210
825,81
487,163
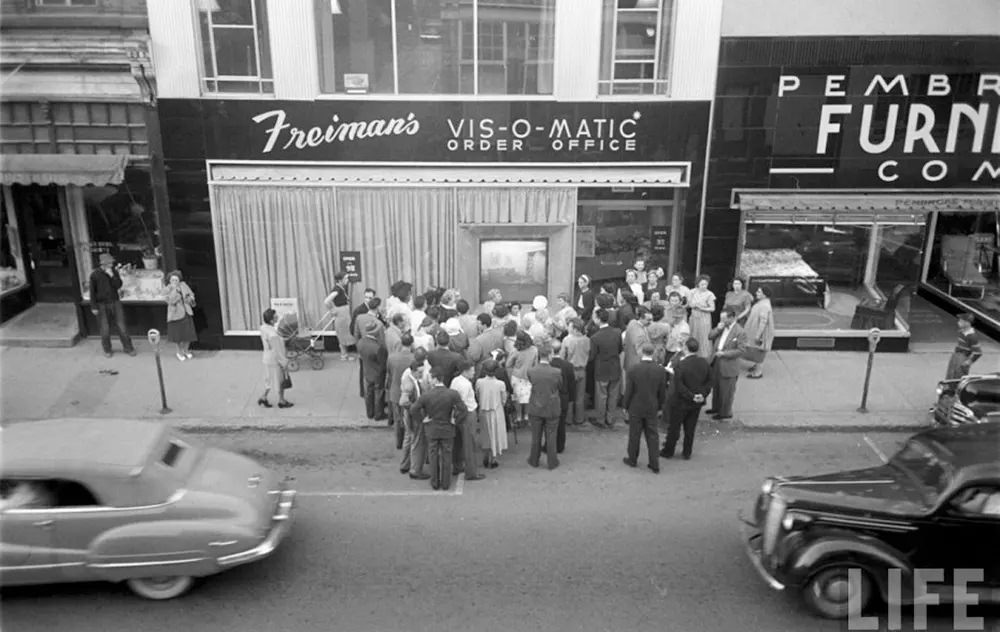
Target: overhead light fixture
x,y
650,31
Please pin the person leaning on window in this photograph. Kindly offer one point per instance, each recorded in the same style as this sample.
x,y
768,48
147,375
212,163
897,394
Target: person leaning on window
x,y
180,314
105,283
274,359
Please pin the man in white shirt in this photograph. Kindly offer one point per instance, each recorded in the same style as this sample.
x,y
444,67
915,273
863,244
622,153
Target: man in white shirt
x,y
466,439
417,314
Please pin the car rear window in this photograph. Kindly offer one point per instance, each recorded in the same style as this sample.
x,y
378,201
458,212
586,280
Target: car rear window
x,y
172,453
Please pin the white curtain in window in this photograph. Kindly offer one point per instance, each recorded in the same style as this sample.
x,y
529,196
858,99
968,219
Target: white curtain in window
x,y
510,205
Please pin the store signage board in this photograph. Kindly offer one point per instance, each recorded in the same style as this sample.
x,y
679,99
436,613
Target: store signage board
x,y
659,239
586,240
350,264
285,306
401,132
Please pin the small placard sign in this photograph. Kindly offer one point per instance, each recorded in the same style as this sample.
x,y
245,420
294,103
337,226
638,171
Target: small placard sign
x,y
350,264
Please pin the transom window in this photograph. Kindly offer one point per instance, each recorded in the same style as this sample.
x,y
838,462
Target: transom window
x,y
636,43
235,53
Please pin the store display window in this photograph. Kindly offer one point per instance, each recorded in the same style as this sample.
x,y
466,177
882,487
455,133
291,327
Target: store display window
x,y
963,259
516,267
12,273
828,275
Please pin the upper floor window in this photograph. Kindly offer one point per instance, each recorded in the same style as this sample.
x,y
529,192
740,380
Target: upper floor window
x,y
436,46
65,3
635,54
234,45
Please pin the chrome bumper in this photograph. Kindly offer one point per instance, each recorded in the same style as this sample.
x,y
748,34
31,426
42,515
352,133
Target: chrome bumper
x,y
281,524
752,544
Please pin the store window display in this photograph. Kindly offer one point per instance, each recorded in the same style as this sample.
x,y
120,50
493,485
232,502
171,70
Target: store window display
x,y
832,276
12,273
964,257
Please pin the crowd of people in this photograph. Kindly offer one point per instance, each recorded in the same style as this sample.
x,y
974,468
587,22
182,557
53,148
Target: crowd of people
x,y
454,378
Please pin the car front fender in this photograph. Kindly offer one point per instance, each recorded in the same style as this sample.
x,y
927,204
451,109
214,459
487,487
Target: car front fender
x,y
846,548
167,547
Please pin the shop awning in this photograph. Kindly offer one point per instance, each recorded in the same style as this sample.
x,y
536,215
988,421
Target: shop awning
x,y
62,169
667,174
833,207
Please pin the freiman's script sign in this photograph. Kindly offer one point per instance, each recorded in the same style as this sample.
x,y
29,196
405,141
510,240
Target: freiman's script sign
x,y
939,118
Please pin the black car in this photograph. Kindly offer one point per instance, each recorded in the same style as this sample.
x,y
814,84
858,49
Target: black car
x,y
968,400
837,537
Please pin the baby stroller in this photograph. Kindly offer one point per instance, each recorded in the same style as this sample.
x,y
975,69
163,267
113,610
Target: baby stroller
x,y
305,342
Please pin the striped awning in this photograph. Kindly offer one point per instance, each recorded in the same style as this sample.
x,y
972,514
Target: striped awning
x,y
812,208
62,169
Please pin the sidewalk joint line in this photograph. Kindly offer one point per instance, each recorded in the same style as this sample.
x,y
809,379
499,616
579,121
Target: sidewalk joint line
x,y
457,491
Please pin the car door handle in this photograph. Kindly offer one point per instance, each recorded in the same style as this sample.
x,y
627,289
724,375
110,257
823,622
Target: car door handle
x,y
44,523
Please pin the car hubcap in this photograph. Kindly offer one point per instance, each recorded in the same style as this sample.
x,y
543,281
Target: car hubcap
x,y
837,589
161,583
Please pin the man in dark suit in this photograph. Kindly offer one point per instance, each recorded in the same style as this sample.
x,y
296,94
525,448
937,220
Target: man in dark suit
x,y
446,362
566,395
396,364
543,408
689,388
489,339
373,364
728,342
605,350
438,409
645,394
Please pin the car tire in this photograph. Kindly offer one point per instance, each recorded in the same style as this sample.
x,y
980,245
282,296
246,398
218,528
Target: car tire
x,y
166,587
828,592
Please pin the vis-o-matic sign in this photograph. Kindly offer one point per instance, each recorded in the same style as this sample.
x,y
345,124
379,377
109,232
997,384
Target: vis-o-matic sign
x,y
939,127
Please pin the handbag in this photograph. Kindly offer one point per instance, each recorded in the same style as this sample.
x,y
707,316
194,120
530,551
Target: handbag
x,y
286,381
754,354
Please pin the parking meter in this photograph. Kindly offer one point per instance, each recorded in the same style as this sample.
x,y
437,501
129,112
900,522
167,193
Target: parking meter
x,y
874,335
153,335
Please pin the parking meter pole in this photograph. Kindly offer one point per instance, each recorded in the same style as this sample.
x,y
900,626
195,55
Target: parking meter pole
x,y
154,339
874,335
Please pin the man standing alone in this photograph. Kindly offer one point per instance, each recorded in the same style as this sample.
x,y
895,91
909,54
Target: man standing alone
x,y
645,395
373,369
544,407
728,344
689,388
438,408
107,305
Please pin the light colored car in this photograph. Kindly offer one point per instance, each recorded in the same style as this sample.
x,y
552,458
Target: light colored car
x,y
133,501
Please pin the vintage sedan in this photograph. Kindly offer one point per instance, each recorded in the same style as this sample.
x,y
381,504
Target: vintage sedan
x,y
971,399
133,501
837,538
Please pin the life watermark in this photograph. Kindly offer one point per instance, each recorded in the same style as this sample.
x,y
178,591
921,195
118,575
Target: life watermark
x,y
927,588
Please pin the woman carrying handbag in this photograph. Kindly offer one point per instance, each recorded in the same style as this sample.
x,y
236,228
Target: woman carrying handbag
x,y
275,361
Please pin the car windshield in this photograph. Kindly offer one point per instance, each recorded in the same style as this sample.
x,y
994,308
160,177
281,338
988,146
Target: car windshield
x,y
923,465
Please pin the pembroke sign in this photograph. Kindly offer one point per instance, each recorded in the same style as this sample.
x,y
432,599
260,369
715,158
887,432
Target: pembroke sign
x,y
937,127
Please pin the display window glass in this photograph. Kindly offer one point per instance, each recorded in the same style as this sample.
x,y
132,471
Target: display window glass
x,y
12,273
963,259
830,276
435,46
516,267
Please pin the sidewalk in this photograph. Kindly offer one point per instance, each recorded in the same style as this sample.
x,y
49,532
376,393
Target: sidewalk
x,y
218,391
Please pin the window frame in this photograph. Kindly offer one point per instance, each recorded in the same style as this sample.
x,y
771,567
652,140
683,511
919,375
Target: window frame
x,y
210,77
660,59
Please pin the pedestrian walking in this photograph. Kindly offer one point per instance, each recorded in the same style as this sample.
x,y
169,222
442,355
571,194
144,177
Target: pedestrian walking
x,y
645,396
543,408
274,359
397,363
728,344
566,394
690,386
605,347
701,300
760,331
438,408
106,304
180,314
576,350
524,357
967,351
373,364
413,383
338,303
491,394
467,426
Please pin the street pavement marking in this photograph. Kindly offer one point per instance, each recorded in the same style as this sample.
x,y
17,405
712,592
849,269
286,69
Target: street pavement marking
x,y
875,448
457,491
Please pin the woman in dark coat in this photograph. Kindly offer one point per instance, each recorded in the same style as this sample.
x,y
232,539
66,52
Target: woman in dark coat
x,y
584,298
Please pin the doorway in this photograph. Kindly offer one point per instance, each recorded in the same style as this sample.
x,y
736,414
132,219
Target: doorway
x,y
49,255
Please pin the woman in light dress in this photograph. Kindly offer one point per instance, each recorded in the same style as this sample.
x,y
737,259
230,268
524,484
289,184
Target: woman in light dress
x,y
680,331
180,314
701,301
677,285
659,332
525,356
738,299
760,328
274,359
492,396
338,303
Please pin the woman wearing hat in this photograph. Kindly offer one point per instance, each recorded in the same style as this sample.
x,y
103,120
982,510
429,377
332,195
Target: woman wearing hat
x,y
180,312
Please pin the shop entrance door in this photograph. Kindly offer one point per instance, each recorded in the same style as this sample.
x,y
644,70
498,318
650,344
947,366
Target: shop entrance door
x,y
45,236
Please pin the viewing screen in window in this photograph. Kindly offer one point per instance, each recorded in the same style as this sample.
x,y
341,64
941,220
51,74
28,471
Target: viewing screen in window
x,y
518,268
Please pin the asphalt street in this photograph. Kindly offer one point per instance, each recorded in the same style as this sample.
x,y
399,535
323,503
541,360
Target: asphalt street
x,y
591,546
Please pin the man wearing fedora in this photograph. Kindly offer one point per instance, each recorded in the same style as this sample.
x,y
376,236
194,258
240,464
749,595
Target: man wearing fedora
x,y
105,283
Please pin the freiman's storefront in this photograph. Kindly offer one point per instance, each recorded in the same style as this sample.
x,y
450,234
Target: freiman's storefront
x,y
267,197
847,187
